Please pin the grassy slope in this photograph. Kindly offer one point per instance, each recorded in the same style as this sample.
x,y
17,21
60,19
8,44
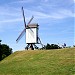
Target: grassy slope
x,y
39,62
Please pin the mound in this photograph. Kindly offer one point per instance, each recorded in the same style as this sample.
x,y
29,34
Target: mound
x,y
39,62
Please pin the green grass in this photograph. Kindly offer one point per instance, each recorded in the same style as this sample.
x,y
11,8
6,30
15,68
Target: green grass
x,y
39,62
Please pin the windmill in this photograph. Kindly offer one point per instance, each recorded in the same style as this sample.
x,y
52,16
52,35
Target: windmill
x,y
31,31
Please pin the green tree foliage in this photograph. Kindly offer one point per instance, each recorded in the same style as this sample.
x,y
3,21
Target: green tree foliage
x,y
52,46
47,46
73,45
5,51
0,51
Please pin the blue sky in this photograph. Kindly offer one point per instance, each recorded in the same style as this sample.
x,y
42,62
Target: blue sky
x,y
55,19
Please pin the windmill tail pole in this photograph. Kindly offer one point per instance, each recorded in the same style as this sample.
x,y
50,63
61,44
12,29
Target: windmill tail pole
x,y
40,42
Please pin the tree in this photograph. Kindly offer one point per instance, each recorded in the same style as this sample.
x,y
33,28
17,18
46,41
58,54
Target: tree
x,y
47,46
0,41
5,51
73,45
52,46
0,51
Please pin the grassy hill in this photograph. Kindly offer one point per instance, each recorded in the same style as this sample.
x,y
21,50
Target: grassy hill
x,y
39,62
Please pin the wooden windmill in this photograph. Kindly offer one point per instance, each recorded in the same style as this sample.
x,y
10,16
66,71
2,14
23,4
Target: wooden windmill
x,y
31,34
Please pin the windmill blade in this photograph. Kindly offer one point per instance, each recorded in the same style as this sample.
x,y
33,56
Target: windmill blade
x,y
20,36
24,17
25,21
30,20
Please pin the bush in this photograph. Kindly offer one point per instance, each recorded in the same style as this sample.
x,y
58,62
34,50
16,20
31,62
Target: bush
x,y
52,46
0,52
73,45
5,51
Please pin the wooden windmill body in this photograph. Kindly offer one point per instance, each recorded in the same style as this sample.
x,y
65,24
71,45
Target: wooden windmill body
x,y
31,36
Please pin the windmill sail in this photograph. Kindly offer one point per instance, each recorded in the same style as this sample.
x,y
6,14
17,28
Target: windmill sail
x,y
20,36
22,33
24,17
31,20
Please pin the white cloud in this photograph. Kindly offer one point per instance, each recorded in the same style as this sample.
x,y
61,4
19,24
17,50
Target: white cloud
x,y
12,14
15,15
9,14
66,13
10,20
59,14
62,13
23,1
46,0
56,15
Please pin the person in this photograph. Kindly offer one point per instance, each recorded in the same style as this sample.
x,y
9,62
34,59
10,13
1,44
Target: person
x,y
64,45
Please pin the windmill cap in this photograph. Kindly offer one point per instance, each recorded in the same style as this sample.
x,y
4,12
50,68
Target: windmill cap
x,y
34,25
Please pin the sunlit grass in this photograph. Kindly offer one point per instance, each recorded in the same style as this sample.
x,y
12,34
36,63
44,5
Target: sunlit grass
x,y
39,62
